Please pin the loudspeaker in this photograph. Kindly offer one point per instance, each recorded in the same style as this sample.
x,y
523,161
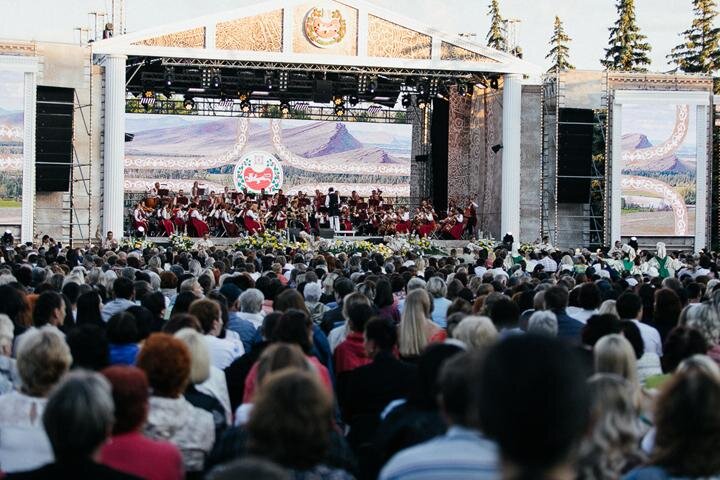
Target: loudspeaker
x,y
327,233
575,144
323,91
53,138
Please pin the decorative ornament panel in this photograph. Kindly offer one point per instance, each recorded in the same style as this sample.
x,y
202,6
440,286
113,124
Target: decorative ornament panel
x,y
193,38
261,33
327,28
448,51
389,40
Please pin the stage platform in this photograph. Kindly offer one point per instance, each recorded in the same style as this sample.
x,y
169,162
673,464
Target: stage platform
x,y
446,245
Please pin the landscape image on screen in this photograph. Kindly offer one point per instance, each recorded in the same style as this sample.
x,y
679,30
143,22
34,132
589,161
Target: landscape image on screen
x,y
659,169
177,150
11,147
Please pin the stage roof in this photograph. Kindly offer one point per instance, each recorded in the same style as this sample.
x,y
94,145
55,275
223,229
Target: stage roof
x,y
350,33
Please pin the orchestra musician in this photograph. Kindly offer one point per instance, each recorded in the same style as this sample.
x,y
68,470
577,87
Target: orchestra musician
x,y
165,214
252,220
332,202
197,221
140,217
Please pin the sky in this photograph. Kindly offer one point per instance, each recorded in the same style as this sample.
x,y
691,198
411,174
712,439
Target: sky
x,y
12,85
656,122
586,21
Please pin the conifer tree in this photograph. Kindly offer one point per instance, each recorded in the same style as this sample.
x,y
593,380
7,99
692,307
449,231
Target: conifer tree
x,y
496,36
559,51
627,49
700,50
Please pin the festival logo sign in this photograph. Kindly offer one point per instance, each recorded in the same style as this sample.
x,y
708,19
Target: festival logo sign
x,y
258,171
325,27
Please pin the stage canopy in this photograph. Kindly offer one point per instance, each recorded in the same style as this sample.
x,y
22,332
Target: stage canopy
x,y
336,39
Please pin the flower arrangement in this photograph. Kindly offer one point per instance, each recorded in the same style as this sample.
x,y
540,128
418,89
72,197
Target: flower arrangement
x,y
404,244
487,244
527,248
268,239
135,243
352,247
181,243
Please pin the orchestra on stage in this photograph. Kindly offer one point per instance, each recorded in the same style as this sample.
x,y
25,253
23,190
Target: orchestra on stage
x,y
232,213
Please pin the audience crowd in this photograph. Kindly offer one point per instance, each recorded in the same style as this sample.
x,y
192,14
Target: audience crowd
x,y
260,364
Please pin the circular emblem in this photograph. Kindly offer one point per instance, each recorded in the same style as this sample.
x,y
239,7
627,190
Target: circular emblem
x,y
324,27
258,171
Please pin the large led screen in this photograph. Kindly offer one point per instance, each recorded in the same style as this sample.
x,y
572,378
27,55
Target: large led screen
x,y
12,86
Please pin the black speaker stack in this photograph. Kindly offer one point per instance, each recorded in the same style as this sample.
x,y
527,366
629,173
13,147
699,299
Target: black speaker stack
x,y
575,146
53,138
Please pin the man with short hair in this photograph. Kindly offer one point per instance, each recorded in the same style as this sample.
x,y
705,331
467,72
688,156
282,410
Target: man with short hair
x,y
556,300
124,291
237,322
629,307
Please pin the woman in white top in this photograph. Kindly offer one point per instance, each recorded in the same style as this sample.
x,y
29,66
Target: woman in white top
x,y
43,358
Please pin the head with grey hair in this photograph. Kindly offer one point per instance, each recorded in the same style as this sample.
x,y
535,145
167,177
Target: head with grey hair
x,y
194,267
543,323
476,332
43,357
312,292
436,287
415,283
129,273
6,278
7,329
251,300
155,263
389,268
191,285
704,318
79,416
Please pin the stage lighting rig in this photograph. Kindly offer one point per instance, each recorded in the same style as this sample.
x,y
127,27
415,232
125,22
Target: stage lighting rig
x,y
373,85
462,89
269,80
284,78
216,81
169,77
422,102
494,83
406,100
188,103
353,100
422,88
362,83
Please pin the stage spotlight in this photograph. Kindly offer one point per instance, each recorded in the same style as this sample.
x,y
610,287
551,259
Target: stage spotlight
x,y
422,88
188,103
243,96
148,92
338,100
353,100
284,108
496,148
216,81
406,100
284,79
462,89
339,110
246,106
494,83
269,80
169,77
422,102
373,85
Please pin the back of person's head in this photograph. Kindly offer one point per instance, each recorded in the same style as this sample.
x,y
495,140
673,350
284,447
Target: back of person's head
x,y
514,378
166,362
358,315
180,321
589,296
207,312
705,319
122,329
78,416
130,392
248,467
155,303
615,354
47,308
353,300
123,288
556,298
632,333
628,305
294,326
381,333
598,326
343,286
199,354
687,420
251,300
429,364
72,291
289,299
89,306
436,287
291,420
268,324
681,343
7,334
476,332
457,397
312,292
543,322
43,358
383,294
413,335
89,347
182,303
504,313
279,356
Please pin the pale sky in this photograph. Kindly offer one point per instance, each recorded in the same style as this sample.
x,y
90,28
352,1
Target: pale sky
x,y
586,21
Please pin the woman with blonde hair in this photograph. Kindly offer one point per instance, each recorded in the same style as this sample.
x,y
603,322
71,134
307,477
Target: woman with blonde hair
x,y
416,330
614,354
611,448
476,332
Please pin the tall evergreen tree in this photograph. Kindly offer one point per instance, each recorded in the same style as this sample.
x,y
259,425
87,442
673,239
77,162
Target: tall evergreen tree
x,y
496,36
700,50
559,51
628,50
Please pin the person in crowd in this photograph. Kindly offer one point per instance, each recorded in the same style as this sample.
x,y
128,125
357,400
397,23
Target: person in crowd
x,y
48,313
89,309
385,302
462,452
350,353
476,332
312,294
42,359
705,318
556,301
89,347
251,302
437,289
248,467
78,419
291,422
543,323
416,329
589,301
541,444
612,448
666,311
123,335
334,318
222,351
687,424
338,334
9,377
629,307
128,450
239,322
167,363
124,293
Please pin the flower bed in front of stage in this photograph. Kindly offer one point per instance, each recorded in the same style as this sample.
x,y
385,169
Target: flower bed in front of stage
x,y
268,239
181,243
135,244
